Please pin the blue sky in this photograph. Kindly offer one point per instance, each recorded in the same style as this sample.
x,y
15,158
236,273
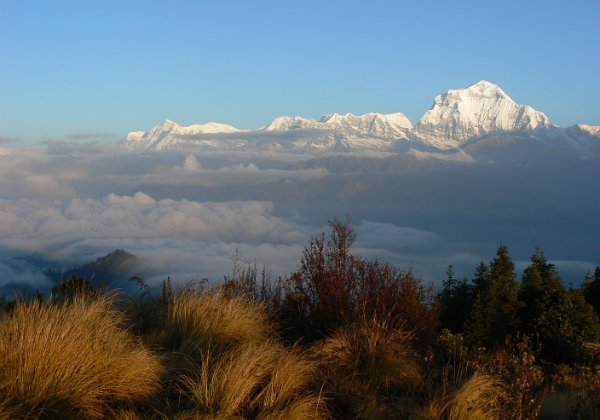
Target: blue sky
x,y
79,69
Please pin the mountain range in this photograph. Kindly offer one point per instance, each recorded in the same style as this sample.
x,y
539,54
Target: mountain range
x,y
457,119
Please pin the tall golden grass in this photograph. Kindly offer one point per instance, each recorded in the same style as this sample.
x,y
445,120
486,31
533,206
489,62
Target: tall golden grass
x,y
71,359
226,361
75,359
258,380
196,323
370,369
478,398
371,351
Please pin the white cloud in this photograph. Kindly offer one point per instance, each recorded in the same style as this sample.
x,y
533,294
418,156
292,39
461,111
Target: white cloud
x,y
241,174
40,225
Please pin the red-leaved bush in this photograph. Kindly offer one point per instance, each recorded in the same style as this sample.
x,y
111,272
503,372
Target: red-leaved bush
x,y
333,288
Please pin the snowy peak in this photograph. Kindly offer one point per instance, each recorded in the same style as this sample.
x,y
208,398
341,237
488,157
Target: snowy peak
x,y
482,89
209,128
458,117
291,123
372,124
169,132
482,108
592,130
367,122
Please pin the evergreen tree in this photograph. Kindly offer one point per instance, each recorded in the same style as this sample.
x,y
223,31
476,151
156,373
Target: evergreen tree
x,y
559,317
481,273
456,301
475,329
494,312
591,290
539,279
530,296
501,298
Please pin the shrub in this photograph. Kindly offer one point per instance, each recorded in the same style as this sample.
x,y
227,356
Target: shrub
x,y
73,286
72,358
334,288
526,383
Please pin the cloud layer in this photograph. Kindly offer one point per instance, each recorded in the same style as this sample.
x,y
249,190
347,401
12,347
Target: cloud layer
x,y
186,214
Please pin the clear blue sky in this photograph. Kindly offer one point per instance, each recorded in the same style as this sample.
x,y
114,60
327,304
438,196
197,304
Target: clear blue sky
x,y
72,69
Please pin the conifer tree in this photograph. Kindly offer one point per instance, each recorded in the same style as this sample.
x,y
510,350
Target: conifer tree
x,y
481,273
591,289
456,301
559,317
475,329
501,298
495,308
531,295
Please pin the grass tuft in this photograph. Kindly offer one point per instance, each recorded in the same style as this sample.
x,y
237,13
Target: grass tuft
x,y
71,359
373,352
196,323
262,380
370,370
478,398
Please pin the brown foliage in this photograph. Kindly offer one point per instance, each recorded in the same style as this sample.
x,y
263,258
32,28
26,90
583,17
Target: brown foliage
x,y
333,288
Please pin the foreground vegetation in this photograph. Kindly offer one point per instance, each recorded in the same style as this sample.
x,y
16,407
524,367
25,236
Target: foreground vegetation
x,y
343,337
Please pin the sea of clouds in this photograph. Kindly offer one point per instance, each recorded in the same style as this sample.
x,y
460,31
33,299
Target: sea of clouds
x,y
187,214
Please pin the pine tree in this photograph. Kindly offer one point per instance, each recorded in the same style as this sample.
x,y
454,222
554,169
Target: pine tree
x,y
500,297
538,278
559,317
456,301
591,289
475,329
494,312
480,277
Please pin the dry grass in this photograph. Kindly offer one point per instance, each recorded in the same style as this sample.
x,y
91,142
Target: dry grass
x,y
370,370
257,380
478,398
123,414
372,352
226,363
196,323
72,359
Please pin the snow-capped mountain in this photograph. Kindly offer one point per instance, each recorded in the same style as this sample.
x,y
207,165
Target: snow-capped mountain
x,y
333,132
457,118
372,124
169,133
590,130
583,138
292,123
482,108
388,126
